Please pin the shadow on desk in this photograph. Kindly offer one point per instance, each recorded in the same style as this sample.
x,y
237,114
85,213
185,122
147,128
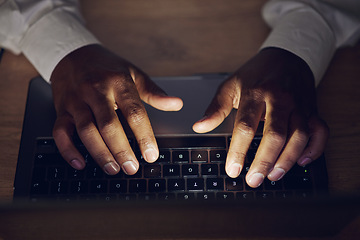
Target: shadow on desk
x,y
164,220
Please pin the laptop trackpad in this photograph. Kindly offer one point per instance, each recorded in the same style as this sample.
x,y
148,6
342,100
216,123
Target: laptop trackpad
x,y
196,93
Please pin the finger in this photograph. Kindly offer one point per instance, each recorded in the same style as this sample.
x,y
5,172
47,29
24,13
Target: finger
x,y
246,123
225,99
93,141
274,138
152,94
135,114
113,134
297,141
62,133
319,134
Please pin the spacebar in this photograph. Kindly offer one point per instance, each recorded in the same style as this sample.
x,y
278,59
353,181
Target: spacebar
x,y
192,142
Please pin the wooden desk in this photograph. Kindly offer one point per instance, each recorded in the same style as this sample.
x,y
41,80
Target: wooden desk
x,y
187,37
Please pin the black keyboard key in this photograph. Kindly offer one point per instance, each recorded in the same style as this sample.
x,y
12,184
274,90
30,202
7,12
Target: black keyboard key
x,y
88,197
171,170
157,185
137,186
194,184
217,155
205,196
75,174
215,184
209,169
39,173
255,143
56,173
147,197
248,188
39,187
222,169
245,168
166,196
67,198
250,155
118,186
49,159
94,172
46,145
186,196
180,156
79,187
127,197
297,182
273,185
225,196
99,186
264,195
139,157
108,197
304,194
190,170
59,187
234,184
284,195
164,157
119,175
177,184
46,142
299,170
152,171
245,196
199,156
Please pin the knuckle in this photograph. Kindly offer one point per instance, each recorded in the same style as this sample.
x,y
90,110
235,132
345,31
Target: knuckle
x,y
109,127
301,137
265,165
58,131
244,129
276,138
135,113
102,157
122,154
239,155
85,128
145,141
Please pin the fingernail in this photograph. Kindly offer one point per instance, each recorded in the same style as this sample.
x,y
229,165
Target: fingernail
x,y
111,168
276,174
129,167
305,161
234,170
256,179
151,155
75,163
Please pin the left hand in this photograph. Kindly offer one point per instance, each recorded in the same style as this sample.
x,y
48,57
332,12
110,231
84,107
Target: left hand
x,y
278,87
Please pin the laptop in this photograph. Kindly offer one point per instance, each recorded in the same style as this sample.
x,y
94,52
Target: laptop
x,y
186,193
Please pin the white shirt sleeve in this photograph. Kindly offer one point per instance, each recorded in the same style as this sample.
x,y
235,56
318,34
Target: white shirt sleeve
x,y
44,31
312,29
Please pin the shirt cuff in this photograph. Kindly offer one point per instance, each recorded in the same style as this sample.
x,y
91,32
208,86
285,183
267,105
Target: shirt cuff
x,y
307,35
53,37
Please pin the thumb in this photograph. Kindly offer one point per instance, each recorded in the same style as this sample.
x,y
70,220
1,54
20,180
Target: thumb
x,y
152,94
225,99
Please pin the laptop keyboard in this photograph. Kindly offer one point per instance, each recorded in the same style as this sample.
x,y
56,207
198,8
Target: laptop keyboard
x,y
188,168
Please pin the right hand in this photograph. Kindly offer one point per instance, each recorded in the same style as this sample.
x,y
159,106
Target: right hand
x,y
88,85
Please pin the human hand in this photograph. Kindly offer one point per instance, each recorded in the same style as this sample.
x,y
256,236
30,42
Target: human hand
x,y
278,87
88,86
